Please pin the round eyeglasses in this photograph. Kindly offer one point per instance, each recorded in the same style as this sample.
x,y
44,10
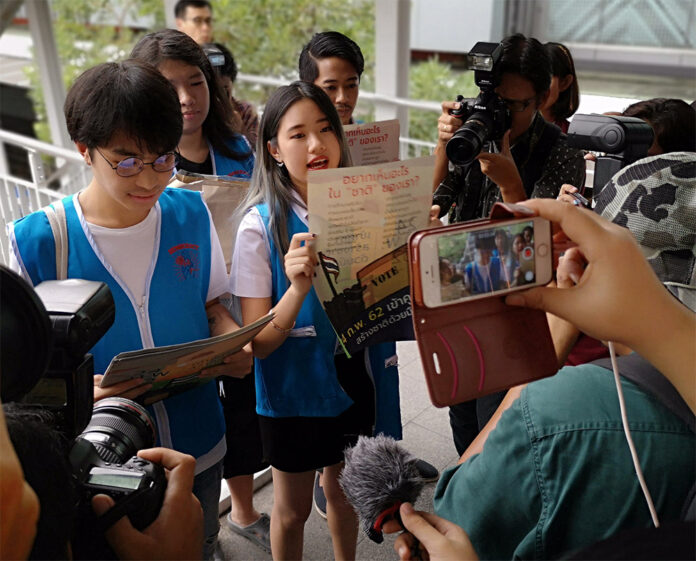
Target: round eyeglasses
x,y
133,166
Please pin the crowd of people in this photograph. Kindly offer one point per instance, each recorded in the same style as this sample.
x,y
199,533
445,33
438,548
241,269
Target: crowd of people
x,y
545,471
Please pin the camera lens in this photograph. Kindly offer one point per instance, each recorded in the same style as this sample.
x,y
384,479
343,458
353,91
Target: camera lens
x,y
467,142
119,428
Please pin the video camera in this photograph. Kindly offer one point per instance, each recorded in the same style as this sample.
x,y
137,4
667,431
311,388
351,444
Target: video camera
x,y
45,366
486,117
621,140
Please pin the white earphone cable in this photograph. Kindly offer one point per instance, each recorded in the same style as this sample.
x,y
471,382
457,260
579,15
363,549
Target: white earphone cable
x,y
629,439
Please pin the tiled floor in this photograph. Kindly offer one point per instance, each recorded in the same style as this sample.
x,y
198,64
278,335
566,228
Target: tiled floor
x,y
426,435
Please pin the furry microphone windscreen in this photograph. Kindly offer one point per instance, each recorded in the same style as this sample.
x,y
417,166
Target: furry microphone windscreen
x,y
378,476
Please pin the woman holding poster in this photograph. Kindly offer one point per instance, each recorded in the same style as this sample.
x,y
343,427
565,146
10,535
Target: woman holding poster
x,y
306,417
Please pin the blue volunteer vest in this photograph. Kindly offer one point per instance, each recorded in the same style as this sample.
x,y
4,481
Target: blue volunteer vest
x,y
238,169
298,379
174,309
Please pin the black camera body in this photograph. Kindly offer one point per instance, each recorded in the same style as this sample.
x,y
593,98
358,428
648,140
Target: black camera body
x,y
45,366
619,140
486,117
104,461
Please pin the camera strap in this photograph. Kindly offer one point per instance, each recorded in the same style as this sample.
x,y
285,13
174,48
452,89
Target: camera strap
x,y
56,219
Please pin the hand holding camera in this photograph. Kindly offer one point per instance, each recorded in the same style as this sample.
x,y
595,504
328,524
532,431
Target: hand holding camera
x,y
449,121
177,532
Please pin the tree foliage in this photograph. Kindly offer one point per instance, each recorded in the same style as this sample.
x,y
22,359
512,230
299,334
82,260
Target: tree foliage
x,y
265,36
89,32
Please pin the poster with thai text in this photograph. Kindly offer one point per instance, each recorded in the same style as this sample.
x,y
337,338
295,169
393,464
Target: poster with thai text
x,y
363,217
373,143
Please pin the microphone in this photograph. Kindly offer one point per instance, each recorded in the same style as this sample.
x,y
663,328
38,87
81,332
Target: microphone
x,y
378,476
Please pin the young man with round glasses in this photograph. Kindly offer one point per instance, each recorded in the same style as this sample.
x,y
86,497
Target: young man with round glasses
x,y
155,247
532,160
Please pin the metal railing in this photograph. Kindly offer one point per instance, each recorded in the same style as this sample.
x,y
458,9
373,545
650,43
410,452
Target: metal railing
x,y
408,147
19,197
69,174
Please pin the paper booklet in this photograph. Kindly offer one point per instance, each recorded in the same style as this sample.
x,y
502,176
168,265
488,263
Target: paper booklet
x,y
363,217
177,368
373,143
222,194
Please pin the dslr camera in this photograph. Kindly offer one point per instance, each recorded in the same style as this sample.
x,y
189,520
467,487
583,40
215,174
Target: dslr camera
x,y
619,140
45,336
486,117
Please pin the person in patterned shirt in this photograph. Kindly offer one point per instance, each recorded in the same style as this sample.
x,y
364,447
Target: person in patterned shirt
x,y
532,159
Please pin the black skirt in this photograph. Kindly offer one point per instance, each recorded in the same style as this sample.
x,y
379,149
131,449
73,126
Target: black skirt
x,y
298,444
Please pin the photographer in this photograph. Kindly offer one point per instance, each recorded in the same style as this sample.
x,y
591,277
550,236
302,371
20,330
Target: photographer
x,y
177,532
531,161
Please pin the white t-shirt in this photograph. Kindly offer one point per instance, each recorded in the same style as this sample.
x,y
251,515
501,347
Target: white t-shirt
x,y
130,253
250,273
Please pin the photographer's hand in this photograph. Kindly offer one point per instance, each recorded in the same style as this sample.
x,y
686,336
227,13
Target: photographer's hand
x,y
447,125
177,532
617,297
441,539
502,170
130,389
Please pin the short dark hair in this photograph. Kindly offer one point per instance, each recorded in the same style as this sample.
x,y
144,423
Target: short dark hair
x,y
673,122
229,67
527,57
181,5
170,44
562,66
326,45
43,454
129,97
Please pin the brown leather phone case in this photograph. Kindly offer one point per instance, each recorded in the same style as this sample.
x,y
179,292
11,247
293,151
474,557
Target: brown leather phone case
x,y
470,349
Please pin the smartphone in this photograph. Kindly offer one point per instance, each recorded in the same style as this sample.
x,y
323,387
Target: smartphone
x,y
478,261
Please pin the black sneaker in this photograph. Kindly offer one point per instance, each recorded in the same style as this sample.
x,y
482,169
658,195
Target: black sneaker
x,y
320,497
428,472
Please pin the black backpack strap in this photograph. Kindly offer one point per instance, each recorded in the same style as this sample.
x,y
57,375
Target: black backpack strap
x,y
635,368
531,170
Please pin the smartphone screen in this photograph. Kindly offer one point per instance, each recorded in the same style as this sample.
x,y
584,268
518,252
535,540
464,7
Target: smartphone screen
x,y
475,263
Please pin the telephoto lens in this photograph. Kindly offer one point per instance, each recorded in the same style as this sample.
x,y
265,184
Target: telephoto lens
x,y
119,428
467,142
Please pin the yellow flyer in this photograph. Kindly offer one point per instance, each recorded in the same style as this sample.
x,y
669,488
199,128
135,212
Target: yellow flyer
x,y
363,217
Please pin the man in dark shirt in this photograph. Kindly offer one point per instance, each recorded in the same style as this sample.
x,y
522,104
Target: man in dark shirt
x,y
532,160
